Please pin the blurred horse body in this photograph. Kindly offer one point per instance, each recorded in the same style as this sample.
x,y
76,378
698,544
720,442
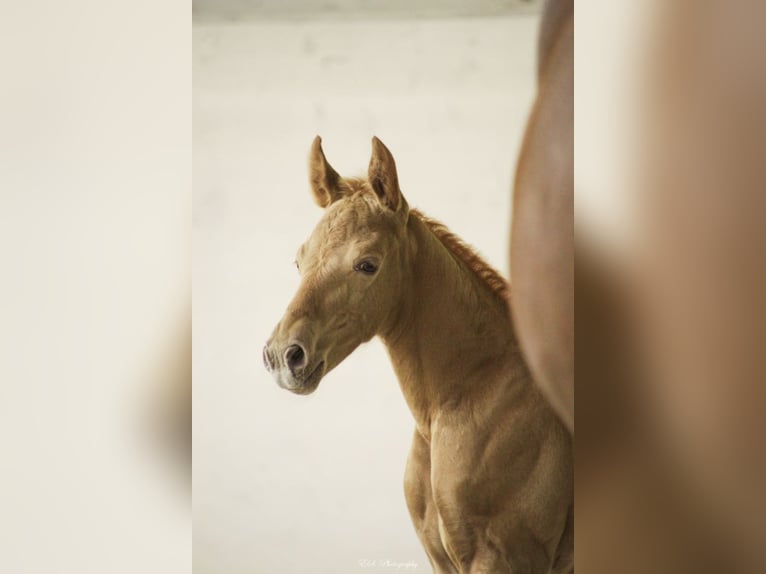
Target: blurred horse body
x,y
489,477
542,232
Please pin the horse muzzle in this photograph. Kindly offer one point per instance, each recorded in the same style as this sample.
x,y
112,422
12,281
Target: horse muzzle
x,y
292,368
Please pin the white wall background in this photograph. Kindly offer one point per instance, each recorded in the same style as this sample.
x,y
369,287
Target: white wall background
x,y
239,10
293,484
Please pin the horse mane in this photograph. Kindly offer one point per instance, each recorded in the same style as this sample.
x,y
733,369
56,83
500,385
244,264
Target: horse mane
x,y
467,254
459,248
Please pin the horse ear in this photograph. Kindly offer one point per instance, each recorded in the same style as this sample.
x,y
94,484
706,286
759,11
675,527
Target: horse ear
x,y
382,176
324,179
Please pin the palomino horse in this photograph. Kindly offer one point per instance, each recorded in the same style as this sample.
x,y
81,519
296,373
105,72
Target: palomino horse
x,y
489,479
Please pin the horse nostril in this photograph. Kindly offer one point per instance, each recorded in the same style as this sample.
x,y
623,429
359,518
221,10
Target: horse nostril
x,y
295,357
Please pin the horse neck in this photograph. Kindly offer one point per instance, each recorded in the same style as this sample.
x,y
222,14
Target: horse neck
x,y
452,333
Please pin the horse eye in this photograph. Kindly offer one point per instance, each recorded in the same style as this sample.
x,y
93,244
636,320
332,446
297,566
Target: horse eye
x,y
367,267
298,267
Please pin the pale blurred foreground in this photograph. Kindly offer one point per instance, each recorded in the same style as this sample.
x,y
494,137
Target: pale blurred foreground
x,y
95,343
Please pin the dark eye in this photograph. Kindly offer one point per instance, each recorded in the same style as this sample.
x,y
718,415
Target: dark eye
x,y
366,267
298,267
